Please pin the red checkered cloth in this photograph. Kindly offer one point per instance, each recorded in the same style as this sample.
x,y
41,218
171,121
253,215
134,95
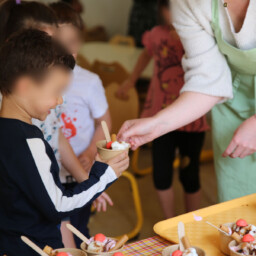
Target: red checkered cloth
x,y
149,247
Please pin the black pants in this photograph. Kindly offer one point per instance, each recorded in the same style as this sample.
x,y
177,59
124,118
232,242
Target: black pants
x,y
190,145
81,218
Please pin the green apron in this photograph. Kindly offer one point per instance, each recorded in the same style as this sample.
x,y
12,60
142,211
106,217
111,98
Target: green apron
x,y
235,177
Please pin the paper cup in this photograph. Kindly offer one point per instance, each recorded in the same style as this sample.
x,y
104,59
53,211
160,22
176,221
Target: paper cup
x,y
73,252
225,240
107,154
83,247
233,253
167,251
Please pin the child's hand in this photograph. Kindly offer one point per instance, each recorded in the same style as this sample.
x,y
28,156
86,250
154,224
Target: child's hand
x,y
101,203
123,90
119,163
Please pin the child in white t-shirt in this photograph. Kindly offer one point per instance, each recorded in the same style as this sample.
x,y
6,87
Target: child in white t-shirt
x,y
86,106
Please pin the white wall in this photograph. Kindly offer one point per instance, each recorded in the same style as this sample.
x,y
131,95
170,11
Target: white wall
x,y
113,14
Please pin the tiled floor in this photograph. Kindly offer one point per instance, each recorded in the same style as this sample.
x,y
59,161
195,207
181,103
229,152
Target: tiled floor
x,y
121,218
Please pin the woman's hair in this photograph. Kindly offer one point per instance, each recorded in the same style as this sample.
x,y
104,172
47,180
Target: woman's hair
x,y
67,15
160,5
14,17
30,52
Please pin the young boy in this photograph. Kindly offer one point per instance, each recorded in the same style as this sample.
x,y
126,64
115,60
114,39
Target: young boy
x,y
34,71
86,106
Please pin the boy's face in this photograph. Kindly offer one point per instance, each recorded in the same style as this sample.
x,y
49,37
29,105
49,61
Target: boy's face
x,y
69,36
38,98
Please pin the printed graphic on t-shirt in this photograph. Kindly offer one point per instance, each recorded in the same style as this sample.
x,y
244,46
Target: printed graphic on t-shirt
x,y
69,129
168,62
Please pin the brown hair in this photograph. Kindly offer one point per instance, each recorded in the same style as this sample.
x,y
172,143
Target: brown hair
x,y
30,52
67,15
14,17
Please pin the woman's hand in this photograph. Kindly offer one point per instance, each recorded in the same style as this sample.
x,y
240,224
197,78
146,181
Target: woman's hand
x,y
243,142
139,131
122,92
101,203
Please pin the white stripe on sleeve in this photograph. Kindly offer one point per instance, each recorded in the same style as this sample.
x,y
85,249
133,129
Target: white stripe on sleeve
x,y
63,203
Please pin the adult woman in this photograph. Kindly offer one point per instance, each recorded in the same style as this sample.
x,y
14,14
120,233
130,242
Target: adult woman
x,y
219,63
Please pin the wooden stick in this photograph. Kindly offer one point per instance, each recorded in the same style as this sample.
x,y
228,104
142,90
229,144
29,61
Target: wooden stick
x,y
78,233
186,242
181,234
120,243
106,131
33,246
236,237
209,223
113,137
225,228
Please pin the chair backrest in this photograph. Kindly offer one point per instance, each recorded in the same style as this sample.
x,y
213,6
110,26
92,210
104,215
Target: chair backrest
x,y
121,110
122,40
110,72
83,62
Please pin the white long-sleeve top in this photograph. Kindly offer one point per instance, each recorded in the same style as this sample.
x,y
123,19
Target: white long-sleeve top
x,y
206,69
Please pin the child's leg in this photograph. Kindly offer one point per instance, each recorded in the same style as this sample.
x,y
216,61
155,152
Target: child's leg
x,y
190,145
163,156
67,236
80,221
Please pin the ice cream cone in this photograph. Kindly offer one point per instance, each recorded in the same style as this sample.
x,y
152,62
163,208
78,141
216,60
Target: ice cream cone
x,y
74,252
84,246
169,250
107,154
225,240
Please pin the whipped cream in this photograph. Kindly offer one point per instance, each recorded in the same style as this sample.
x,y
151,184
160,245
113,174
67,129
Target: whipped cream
x,y
120,145
190,252
105,246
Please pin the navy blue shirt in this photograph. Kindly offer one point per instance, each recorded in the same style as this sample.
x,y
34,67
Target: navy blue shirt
x,y
32,199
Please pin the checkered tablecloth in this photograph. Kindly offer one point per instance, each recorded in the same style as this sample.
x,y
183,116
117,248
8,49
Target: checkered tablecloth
x,y
149,247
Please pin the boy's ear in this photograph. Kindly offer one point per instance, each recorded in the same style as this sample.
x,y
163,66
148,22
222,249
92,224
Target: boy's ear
x,y
24,85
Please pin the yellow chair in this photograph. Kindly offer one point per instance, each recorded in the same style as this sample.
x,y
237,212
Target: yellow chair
x,y
110,72
121,111
122,40
83,62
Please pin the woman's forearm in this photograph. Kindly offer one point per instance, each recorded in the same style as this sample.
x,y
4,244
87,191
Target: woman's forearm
x,y
187,108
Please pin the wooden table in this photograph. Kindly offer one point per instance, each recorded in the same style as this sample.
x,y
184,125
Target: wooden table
x,y
127,56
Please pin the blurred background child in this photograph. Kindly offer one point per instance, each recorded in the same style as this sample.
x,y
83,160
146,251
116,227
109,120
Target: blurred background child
x,y
86,106
163,45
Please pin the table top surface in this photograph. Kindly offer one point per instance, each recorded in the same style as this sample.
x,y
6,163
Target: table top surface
x,y
152,246
127,56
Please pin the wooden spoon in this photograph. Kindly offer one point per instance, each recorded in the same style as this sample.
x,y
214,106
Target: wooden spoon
x,y
120,243
209,223
33,246
181,234
78,233
106,131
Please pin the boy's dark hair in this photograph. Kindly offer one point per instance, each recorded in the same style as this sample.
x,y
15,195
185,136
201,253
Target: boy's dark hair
x,y
15,17
67,15
160,5
30,52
